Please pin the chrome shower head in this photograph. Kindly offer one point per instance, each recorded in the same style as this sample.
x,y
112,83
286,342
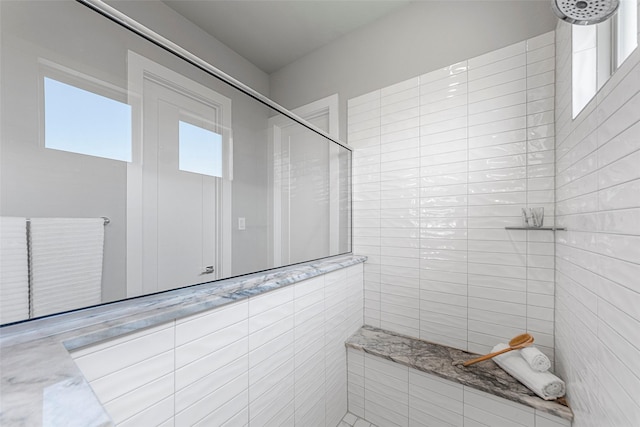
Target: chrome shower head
x,y
584,12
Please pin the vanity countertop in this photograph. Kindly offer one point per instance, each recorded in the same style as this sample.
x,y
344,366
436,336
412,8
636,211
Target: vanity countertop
x,y
439,360
40,385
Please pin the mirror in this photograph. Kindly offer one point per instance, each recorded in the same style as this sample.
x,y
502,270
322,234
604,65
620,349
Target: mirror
x,y
126,171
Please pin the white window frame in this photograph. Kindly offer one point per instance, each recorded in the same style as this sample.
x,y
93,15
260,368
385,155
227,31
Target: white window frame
x,y
602,56
71,77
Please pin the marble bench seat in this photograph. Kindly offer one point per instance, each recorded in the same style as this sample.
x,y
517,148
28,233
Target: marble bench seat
x,y
437,361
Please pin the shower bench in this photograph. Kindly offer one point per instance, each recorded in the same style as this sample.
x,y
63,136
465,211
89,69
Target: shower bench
x,y
394,380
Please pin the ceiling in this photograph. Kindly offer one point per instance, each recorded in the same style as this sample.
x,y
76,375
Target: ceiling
x,y
271,34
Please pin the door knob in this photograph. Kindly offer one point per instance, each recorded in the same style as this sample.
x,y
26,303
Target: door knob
x,y
208,270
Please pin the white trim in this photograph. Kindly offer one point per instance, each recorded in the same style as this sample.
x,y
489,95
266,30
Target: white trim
x,y
139,70
325,106
53,70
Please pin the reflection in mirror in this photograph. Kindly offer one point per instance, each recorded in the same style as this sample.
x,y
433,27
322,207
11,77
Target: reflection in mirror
x,y
199,180
83,122
200,150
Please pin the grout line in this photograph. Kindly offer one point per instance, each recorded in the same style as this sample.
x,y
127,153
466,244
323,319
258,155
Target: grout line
x,y
526,251
420,217
467,213
248,368
175,368
379,275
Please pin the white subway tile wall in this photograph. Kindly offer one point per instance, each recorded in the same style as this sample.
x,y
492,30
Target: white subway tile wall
x,y
598,257
133,375
442,163
274,359
386,396
364,135
389,394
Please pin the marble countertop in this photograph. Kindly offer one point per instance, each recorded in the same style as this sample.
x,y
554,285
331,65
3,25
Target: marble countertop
x,y
40,385
439,360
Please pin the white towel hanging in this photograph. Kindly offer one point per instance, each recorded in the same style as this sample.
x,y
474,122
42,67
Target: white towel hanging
x,y
66,263
14,273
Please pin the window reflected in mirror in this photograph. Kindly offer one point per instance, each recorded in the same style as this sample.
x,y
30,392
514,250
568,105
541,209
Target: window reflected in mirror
x,y
84,122
200,150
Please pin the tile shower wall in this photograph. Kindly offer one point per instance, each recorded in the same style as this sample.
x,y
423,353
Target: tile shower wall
x,y
274,359
442,163
598,257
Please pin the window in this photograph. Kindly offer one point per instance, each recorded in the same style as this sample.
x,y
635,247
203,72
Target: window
x,y
598,50
84,122
627,30
584,67
200,150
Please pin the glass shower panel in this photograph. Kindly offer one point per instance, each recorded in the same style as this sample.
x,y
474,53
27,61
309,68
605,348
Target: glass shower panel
x,y
270,191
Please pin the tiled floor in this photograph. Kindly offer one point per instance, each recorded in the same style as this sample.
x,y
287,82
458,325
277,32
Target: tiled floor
x,y
351,420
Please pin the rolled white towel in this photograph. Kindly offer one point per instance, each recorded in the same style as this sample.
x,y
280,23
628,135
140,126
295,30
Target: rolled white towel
x,y
536,359
544,384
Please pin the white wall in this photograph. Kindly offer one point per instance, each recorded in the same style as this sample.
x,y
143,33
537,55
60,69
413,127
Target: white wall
x,y
162,19
598,258
421,37
442,163
276,359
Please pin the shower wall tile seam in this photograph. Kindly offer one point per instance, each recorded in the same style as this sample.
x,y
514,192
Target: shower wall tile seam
x,y
467,234
527,196
175,345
